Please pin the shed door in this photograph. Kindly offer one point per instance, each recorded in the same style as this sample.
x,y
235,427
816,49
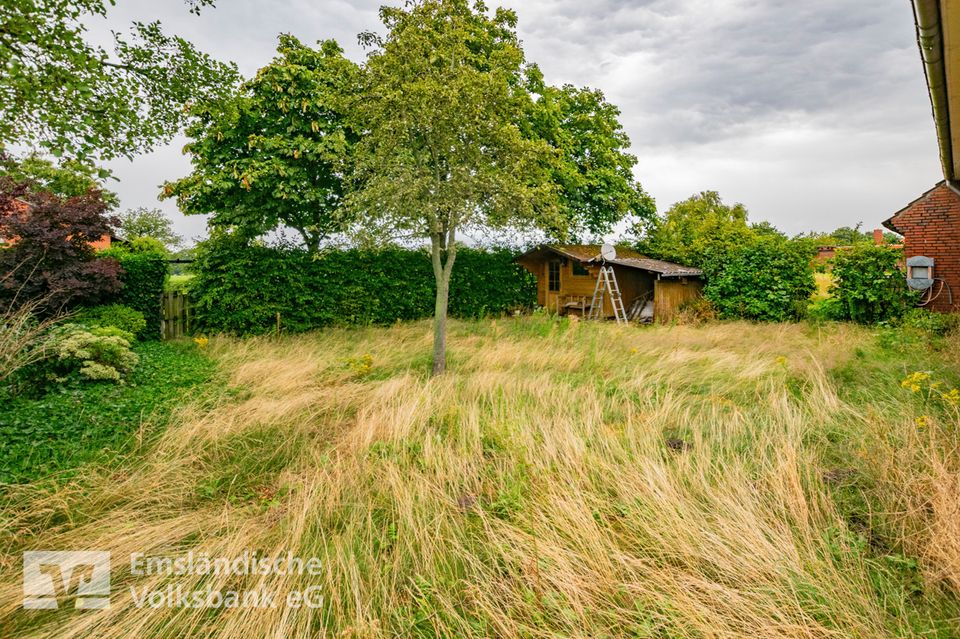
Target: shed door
x,y
552,275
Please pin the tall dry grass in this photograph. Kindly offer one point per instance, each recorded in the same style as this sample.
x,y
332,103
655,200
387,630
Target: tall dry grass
x,y
564,480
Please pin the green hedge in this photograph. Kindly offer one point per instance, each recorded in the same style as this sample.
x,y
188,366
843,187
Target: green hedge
x,y
143,278
240,288
768,279
869,286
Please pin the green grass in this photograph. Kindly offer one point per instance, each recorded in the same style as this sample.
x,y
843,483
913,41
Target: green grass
x,y
564,479
82,422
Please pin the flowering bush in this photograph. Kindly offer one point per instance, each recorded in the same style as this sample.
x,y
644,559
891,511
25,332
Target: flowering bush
x,y
98,354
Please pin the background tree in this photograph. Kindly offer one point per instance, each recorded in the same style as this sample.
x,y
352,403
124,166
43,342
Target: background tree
x,y
443,148
62,93
691,230
275,153
591,167
51,259
143,222
67,178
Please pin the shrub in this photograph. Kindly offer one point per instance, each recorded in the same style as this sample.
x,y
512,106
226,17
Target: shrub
x,y
143,276
98,354
696,311
240,288
769,279
825,310
52,259
937,323
117,315
869,285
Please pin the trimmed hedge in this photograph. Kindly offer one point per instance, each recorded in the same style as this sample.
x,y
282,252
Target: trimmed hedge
x,y
143,276
240,288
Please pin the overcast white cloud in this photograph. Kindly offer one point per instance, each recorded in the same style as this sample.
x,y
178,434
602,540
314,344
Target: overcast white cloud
x,y
814,114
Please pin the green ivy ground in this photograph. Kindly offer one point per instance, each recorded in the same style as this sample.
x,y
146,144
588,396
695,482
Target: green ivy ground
x,y
83,421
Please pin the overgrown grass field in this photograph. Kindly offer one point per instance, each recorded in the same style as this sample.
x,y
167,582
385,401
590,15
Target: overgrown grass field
x,y
563,480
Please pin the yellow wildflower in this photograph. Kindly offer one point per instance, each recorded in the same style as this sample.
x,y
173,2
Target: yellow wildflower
x,y
201,342
921,421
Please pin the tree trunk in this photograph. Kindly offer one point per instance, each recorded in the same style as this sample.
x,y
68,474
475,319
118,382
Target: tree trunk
x,y
441,244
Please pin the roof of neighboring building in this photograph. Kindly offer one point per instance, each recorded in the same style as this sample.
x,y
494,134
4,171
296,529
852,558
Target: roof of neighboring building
x,y
625,257
889,222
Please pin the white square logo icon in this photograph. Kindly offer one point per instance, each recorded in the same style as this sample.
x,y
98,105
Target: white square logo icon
x,y
51,577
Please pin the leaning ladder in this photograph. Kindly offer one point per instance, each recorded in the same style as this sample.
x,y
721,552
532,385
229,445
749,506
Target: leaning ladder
x,y
607,285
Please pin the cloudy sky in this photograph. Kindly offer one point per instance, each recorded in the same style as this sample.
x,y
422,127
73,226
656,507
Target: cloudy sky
x,y
812,113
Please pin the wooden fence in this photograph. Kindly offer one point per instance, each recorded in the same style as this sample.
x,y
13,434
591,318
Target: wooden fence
x,y
176,315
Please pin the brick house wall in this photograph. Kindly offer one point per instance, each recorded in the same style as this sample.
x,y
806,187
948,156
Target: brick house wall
x,y
930,226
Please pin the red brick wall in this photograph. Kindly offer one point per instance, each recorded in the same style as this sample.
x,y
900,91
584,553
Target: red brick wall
x,y
931,227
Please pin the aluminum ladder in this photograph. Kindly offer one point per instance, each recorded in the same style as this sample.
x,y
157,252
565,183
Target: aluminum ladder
x,y
607,285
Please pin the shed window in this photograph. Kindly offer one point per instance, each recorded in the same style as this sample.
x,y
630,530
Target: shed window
x,y
554,275
580,269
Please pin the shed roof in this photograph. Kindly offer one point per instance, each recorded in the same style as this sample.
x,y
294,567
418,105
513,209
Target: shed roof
x,y
625,257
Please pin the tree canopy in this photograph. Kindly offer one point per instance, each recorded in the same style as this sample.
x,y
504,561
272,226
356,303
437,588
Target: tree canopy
x,y
591,167
277,151
65,179
443,148
60,92
142,222
693,228
52,260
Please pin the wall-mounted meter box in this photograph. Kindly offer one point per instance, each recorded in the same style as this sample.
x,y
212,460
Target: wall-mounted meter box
x,y
920,272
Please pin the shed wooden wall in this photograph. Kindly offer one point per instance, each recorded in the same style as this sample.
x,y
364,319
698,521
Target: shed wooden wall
x,y
671,293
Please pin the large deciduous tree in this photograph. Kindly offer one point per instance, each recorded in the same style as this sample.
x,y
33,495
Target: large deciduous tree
x,y
443,147
275,153
63,93
592,167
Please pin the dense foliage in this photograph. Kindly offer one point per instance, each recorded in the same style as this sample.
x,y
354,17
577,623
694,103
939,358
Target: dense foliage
x,y
143,276
241,288
592,166
99,353
51,257
66,178
117,315
693,230
769,279
82,420
62,92
141,222
869,285
276,152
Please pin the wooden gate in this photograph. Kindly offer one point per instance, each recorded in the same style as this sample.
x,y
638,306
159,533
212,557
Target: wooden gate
x,y
176,315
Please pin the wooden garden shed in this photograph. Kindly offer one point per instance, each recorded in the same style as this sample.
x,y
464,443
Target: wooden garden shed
x,y
567,276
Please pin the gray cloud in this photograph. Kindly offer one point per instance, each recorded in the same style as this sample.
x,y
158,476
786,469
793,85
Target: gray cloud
x,y
814,113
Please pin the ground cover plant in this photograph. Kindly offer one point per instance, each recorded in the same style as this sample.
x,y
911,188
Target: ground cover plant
x,y
566,479
80,420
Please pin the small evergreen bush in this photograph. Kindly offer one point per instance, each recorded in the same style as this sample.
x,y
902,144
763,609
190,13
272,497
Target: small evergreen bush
x,y
117,315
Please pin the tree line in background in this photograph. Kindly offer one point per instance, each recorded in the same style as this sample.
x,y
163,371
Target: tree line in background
x,y
445,128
